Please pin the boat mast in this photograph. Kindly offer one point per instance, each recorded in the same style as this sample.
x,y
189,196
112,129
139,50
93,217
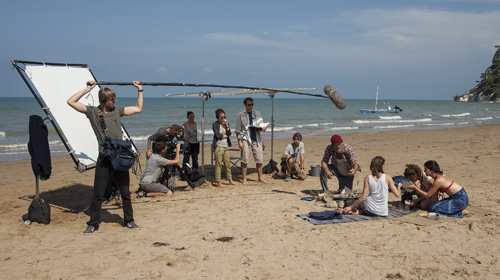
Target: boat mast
x,y
376,99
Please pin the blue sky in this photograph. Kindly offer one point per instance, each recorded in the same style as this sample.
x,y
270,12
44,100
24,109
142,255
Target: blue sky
x,y
413,49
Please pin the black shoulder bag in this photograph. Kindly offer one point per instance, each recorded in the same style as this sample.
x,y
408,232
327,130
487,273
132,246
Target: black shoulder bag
x,y
118,152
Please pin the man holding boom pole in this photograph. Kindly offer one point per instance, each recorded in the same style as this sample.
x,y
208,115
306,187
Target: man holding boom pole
x,y
110,115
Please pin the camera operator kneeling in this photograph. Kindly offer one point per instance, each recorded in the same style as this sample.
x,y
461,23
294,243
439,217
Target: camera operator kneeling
x,y
156,162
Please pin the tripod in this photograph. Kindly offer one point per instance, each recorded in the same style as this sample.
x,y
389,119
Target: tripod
x,y
169,176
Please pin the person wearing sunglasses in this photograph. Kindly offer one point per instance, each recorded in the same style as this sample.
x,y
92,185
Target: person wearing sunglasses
x,y
249,124
221,144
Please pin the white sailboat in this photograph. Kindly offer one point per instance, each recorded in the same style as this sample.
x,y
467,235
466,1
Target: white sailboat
x,y
377,110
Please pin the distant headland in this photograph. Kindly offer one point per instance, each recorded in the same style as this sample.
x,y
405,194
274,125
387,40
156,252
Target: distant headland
x,y
488,89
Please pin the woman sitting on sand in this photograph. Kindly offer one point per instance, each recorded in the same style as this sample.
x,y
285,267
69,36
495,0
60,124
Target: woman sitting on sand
x,y
375,195
418,178
455,204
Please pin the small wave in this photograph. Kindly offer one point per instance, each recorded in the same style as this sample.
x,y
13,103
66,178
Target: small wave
x,y
307,125
55,143
284,128
447,124
393,121
345,128
14,147
390,117
455,115
439,124
326,123
483,119
2,134
24,146
139,138
393,126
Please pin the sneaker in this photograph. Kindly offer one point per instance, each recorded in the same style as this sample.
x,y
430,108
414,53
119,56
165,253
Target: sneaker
x,y
141,194
287,178
132,225
90,229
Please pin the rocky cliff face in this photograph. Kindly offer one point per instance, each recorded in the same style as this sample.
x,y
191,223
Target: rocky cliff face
x,y
488,89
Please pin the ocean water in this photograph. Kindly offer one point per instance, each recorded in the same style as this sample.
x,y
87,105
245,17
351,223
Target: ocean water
x,y
312,116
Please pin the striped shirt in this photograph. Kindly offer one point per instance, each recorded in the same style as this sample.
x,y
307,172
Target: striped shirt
x,y
348,154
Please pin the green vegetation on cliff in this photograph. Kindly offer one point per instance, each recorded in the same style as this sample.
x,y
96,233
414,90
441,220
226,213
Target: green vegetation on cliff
x,y
488,89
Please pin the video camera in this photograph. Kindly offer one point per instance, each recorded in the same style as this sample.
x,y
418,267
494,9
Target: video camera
x,y
167,177
171,140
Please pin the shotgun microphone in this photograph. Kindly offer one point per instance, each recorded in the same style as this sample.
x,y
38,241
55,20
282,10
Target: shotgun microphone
x,y
335,97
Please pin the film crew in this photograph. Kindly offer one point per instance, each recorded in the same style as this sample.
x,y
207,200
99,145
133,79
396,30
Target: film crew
x,y
344,164
161,134
149,179
221,143
111,116
191,139
249,124
292,160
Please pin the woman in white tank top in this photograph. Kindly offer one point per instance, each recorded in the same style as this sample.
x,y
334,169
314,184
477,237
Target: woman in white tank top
x,y
375,196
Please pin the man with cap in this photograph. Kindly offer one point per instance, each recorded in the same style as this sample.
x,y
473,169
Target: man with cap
x,y
344,164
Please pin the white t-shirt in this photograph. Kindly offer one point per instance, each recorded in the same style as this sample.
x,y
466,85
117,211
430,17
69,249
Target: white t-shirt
x,y
295,151
377,200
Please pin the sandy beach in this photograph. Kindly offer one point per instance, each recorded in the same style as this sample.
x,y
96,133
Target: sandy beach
x,y
252,231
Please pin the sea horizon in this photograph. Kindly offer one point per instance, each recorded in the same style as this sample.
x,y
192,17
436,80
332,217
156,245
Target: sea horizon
x,y
309,116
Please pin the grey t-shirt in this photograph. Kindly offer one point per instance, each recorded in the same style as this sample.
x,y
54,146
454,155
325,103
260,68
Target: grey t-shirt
x,y
223,142
113,122
295,152
153,169
191,133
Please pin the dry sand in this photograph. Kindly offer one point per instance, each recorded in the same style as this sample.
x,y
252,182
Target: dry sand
x,y
252,232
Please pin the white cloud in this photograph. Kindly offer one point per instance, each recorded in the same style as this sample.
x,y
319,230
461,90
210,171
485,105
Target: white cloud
x,y
235,38
399,35
207,70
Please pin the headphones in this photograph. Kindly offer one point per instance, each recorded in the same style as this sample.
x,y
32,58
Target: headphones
x,y
218,112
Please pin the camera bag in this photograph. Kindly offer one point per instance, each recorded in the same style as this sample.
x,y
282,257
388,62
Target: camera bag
x,y
39,211
118,152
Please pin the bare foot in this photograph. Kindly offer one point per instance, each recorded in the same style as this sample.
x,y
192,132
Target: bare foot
x,y
231,182
262,181
353,212
244,182
220,185
465,212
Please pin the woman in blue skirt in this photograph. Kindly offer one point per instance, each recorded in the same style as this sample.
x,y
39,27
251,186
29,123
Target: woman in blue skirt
x,y
456,202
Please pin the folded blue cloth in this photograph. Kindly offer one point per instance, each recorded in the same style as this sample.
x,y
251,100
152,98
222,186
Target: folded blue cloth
x,y
399,179
325,215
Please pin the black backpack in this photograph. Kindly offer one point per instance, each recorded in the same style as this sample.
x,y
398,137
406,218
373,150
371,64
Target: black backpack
x,y
39,211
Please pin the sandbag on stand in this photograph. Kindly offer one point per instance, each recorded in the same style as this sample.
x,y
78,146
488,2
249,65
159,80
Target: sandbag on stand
x,y
270,167
38,146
